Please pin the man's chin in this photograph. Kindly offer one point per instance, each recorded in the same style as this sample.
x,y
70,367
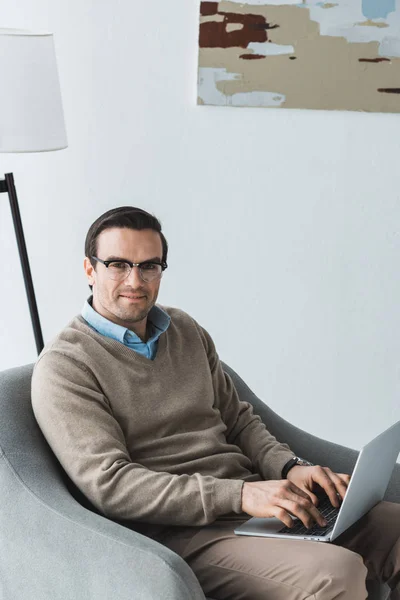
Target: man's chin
x,y
131,311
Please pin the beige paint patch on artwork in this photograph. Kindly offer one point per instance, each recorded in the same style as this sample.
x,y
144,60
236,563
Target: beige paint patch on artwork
x,y
370,23
234,27
242,9
324,72
211,19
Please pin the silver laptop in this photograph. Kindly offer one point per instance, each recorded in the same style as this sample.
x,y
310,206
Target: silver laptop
x,y
367,487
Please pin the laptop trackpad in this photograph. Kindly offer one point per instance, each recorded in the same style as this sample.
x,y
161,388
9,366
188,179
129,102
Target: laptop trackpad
x,y
258,526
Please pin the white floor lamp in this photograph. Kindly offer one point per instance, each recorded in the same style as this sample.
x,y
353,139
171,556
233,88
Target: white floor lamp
x,y
31,120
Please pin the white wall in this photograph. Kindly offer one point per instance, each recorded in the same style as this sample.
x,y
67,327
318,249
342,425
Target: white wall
x,y
300,209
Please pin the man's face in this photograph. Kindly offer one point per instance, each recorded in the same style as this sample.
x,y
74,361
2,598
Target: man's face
x,y
113,299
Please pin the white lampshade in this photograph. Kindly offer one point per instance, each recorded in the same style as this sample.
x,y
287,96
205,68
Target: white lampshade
x,y
31,113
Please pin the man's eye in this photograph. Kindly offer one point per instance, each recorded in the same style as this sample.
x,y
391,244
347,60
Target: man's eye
x,y
149,266
118,265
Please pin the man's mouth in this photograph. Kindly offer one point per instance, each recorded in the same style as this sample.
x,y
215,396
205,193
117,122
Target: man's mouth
x,y
129,297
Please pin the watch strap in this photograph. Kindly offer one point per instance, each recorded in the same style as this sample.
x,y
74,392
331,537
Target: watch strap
x,y
296,460
291,463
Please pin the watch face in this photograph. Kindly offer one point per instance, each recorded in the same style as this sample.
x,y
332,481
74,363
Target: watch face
x,y
304,463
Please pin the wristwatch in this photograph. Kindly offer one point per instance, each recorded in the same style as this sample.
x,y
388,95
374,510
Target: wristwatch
x,y
293,462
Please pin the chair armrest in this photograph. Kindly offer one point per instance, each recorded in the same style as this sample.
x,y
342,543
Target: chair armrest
x,y
319,451
68,552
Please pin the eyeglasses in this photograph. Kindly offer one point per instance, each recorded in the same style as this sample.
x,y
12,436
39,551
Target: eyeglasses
x,y
118,270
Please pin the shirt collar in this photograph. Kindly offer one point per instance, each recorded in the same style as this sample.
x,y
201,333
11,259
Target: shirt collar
x,y
157,316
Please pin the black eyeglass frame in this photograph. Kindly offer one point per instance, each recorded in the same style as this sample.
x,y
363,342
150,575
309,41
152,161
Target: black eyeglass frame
x,y
107,263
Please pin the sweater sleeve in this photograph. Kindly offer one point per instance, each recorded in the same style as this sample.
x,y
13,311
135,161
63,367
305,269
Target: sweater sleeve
x,y
243,427
78,423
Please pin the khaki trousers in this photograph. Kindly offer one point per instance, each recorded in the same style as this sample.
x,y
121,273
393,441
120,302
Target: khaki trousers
x,y
231,567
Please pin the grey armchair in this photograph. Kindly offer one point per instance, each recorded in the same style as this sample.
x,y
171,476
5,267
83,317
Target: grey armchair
x,y
53,544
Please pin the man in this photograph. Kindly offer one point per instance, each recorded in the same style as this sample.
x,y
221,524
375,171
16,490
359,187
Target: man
x,y
132,399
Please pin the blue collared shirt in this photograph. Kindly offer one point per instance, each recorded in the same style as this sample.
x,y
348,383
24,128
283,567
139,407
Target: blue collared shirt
x,y
158,319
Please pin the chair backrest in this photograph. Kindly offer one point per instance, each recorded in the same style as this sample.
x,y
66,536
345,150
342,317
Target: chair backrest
x,y
18,428
24,446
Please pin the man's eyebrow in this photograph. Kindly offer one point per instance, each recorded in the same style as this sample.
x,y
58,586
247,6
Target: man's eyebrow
x,y
153,259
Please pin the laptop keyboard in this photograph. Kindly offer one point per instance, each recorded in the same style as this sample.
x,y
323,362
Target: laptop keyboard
x,y
327,510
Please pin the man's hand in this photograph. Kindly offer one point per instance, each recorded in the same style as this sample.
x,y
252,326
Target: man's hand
x,y
309,478
280,499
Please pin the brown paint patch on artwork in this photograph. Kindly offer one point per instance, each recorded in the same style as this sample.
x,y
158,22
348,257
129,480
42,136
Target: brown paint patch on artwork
x,y
374,60
208,8
252,56
389,90
265,26
227,34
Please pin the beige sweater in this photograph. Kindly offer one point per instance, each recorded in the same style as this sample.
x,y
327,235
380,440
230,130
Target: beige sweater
x,y
164,441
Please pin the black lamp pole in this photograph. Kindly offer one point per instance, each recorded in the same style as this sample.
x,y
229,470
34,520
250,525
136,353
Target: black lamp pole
x,y
7,185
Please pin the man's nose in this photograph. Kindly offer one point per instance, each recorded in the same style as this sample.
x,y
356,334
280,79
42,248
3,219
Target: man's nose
x,y
134,278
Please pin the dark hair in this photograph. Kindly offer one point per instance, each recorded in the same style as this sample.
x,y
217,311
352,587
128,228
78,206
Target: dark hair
x,y
128,217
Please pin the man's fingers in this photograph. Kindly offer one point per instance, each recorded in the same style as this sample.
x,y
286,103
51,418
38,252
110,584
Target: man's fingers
x,y
303,507
296,490
303,510
283,515
322,476
334,484
295,501
314,498
345,477
306,495
341,482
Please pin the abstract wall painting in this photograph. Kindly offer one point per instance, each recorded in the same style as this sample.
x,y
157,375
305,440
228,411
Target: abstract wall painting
x,y
315,54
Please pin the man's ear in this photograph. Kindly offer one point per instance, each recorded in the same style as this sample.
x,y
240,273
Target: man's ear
x,y
89,270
